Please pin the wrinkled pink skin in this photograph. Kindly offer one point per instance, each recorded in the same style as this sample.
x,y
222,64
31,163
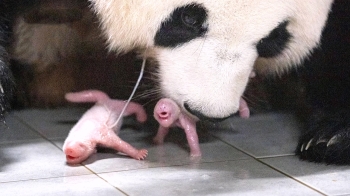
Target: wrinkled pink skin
x,y
168,114
243,110
95,127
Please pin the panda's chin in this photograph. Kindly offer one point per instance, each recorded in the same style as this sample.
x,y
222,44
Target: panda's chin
x,y
203,117
205,111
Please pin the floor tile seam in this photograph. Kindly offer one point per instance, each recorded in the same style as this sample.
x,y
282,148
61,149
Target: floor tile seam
x,y
47,139
233,146
97,174
110,184
292,177
276,156
270,166
36,131
234,159
42,137
21,141
26,126
250,154
169,166
135,169
53,143
46,178
146,168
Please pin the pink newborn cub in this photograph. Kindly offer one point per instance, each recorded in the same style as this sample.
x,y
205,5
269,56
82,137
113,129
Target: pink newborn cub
x,y
168,114
95,128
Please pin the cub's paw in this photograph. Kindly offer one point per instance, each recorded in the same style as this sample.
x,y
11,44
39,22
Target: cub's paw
x,y
142,154
327,141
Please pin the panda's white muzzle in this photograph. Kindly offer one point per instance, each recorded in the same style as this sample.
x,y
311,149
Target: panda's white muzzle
x,y
204,77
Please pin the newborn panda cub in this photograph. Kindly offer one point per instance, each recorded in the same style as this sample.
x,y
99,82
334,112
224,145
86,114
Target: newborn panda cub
x,y
169,114
97,127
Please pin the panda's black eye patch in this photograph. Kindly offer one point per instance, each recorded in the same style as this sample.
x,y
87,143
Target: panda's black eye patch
x,y
273,44
184,24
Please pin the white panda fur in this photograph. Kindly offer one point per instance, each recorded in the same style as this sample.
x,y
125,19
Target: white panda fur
x,y
210,73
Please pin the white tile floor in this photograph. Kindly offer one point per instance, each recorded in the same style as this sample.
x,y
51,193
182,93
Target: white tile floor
x,y
240,157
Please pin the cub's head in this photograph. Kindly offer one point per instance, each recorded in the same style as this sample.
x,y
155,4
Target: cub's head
x,y
207,49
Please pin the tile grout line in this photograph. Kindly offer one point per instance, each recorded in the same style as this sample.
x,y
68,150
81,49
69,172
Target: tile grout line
x,y
37,132
291,177
110,184
34,179
53,143
97,174
43,137
270,166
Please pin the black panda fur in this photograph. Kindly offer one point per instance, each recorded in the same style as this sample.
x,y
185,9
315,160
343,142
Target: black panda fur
x,y
327,136
6,80
8,10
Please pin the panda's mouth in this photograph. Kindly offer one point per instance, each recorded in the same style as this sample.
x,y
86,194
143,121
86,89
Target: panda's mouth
x,y
203,117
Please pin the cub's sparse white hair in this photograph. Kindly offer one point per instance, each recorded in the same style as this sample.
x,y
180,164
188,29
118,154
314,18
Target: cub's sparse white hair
x,y
209,73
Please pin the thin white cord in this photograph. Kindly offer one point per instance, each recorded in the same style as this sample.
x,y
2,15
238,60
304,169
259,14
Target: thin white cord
x,y
133,92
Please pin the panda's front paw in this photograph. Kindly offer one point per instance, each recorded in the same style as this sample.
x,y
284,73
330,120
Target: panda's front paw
x,y
6,86
328,141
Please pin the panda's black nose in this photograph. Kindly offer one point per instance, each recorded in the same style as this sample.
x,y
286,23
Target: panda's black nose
x,y
203,117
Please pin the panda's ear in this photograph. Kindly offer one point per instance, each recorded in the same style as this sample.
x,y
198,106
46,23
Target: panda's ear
x,y
274,43
184,24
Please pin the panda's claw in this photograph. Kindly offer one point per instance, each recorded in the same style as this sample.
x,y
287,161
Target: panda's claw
x,y
302,147
309,144
334,140
329,144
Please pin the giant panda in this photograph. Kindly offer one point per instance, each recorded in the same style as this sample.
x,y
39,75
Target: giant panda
x,y
326,75
207,49
8,10
6,80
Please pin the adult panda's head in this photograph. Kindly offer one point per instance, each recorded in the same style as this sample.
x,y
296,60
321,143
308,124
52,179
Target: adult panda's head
x,y
207,49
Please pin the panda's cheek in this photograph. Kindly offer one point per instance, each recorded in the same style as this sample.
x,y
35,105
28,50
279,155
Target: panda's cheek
x,y
209,81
